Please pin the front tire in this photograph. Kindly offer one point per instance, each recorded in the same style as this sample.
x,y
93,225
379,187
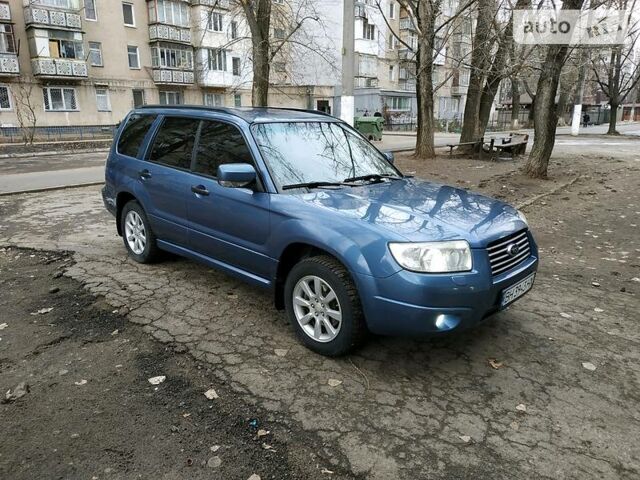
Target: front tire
x,y
323,306
137,235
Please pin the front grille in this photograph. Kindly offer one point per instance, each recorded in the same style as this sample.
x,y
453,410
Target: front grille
x,y
500,258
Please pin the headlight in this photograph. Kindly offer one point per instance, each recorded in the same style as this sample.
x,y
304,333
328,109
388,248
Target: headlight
x,y
522,217
433,257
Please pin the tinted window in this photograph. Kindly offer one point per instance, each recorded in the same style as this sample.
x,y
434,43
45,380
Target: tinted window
x,y
134,133
220,143
174,142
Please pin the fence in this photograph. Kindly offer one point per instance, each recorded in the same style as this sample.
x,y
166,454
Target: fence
x,y
61,133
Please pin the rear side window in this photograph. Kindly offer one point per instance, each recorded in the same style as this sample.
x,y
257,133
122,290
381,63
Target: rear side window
x,y
220,143
133,134
173,145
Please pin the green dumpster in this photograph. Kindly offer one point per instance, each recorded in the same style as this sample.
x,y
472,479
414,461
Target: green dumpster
x,y
370,127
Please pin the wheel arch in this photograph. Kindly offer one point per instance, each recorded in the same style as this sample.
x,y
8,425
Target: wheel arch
x,y
122,199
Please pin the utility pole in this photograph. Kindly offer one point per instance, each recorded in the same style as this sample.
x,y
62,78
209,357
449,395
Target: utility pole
x,y
347,107
576,120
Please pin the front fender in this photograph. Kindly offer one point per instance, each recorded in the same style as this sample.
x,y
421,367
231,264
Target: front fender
x,y
360,249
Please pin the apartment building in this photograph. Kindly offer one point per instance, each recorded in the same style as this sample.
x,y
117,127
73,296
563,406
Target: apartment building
x,y
88,62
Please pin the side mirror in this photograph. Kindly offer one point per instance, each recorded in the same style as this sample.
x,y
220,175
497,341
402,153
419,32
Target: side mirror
x,y
389,157
236,174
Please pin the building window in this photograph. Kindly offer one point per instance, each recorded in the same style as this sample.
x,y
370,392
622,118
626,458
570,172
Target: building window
x,y
392,73
7,40
68,4
5,99
368,30
134,58
279,67
138,98
393,42
217,59
171,56
102,100
392,10
215,22
398,103
90,12
278,33
127,13
235,64
237,100
234,30
58,99
95,54
213,100
169,12
170,98
63,45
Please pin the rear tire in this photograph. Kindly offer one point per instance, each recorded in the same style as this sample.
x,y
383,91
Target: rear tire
x,y
323,306
139,239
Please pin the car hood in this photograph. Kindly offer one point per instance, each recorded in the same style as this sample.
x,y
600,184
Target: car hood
x,y
419,210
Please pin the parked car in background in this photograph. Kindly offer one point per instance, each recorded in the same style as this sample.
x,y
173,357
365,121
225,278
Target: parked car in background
x,y
300,203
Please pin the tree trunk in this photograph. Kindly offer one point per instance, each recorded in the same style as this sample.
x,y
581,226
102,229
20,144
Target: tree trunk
x,y
261,67
613,119
545,115
515,103
425,143
480,57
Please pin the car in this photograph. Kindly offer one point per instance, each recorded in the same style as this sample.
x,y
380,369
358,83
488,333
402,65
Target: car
x,y
300,203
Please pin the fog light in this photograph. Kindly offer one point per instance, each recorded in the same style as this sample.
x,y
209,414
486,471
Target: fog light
x,y
447,322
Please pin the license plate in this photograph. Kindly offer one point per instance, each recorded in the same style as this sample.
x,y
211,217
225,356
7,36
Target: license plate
x,y
514,292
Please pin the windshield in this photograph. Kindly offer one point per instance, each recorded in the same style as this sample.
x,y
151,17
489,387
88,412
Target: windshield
x,y
303,152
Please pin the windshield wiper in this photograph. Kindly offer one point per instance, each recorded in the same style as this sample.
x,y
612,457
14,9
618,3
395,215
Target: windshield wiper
x,y
372,176
315,185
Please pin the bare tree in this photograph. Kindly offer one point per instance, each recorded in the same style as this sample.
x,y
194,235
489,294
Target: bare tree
x,y
25,111
545,115
289,17
617,72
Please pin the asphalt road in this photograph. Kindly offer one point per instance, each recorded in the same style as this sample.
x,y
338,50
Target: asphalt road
x,y
560,401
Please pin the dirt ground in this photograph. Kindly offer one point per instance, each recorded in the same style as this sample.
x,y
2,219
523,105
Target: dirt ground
x,y
548,389
90,411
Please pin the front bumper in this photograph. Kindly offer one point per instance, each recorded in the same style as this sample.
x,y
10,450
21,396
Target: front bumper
x,y
409,303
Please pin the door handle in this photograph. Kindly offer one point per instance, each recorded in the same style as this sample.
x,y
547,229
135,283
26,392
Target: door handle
x,y
144,174
200,190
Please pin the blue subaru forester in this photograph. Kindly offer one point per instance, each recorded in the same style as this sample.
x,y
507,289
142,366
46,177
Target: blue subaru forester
x,y
300,203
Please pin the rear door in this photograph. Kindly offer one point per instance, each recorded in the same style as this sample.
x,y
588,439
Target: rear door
x,y
166,179
227,224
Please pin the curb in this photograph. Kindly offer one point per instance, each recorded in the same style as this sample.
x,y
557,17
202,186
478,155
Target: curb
x,y
48,154
48,189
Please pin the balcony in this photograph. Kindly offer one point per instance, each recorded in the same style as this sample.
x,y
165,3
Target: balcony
x,y
217,78
39,16
166,76
406,54
409,86
5,12
407,24
459,89
59,68
211,3
170,33
9,64
361,82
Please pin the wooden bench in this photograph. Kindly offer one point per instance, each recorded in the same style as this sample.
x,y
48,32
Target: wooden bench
x,y
513,145
476,144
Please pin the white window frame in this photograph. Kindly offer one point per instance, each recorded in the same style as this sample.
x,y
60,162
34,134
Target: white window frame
x,y
106,96
279,30
144,96
221,57
237,100
235,60
62,89
392,73
8,97
368,28
219,23
137,57
210,99
95,11
99,50
392,10
133,15
176,93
